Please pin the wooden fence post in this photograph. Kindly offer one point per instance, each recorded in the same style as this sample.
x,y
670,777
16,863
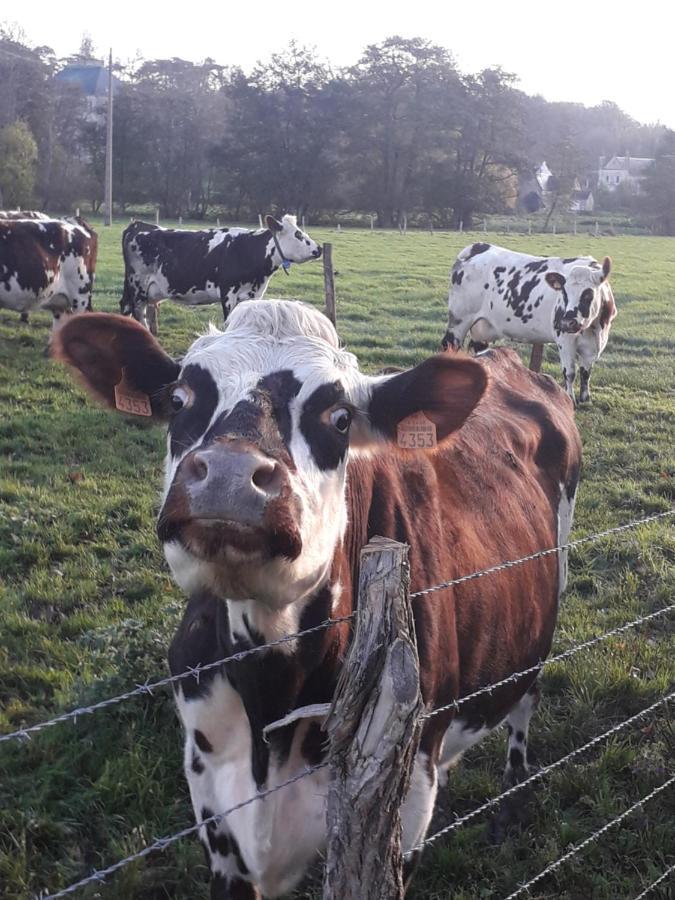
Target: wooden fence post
x,y
374,729
157,215
536,357
329,281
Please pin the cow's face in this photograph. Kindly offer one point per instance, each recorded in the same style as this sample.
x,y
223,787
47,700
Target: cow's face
x,y
580,296
261,421
295,244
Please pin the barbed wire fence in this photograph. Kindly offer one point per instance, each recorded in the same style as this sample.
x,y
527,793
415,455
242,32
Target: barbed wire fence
x,y
149,687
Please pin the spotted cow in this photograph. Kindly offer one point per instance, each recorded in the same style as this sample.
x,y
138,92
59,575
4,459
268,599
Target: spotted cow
x,y
198,267
23,214
47,264
497,293
282,463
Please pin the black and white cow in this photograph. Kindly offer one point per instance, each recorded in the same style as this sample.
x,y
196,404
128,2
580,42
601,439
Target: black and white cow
x,y
198,267
282,462
497,293
47,264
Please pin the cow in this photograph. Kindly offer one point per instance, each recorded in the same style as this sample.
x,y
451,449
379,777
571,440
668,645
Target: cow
x,y
282,462
198,267
47,264
23,214
495,292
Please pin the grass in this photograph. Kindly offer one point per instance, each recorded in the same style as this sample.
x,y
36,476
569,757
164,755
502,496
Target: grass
x,y
88,609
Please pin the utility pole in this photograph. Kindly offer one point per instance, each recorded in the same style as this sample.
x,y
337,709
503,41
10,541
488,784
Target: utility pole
x,y
108,148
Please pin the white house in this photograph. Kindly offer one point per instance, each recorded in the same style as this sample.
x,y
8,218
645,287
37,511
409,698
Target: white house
x,y
623,170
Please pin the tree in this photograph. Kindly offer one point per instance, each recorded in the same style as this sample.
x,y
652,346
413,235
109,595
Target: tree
x,y
659,194
18,157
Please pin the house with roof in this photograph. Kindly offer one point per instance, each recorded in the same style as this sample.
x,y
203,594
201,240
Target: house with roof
x,y
582,200
629,171
91,76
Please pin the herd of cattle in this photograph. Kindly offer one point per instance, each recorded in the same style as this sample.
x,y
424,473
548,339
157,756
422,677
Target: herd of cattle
x,y
284,459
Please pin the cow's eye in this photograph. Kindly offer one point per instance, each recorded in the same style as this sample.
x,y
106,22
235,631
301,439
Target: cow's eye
x,y
341,419
179,398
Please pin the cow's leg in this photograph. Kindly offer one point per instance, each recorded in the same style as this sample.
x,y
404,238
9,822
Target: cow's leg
x,y
153,318
567,349
228,871
24,317
585,384
417,810
512,809
589,348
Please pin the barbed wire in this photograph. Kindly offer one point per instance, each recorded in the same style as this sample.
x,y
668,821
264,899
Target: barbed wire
x,y
147,688
577,848
159,844
509,564
196,671
541,773
650,888
543,664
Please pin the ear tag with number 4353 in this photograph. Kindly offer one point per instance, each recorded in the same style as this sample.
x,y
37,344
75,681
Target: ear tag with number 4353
x,y
129,400
417,433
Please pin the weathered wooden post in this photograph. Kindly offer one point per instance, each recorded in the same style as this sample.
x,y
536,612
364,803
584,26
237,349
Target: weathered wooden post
x,y
597,228
536,357
157,215
329,281
260,221
180,220
374,729
217,221
372,223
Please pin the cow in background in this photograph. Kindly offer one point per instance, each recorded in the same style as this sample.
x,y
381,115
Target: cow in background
x,y
283,461
47,264
499,293
199,267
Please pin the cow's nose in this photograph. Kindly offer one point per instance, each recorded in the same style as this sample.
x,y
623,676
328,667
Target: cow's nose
x,y
316,253
225,483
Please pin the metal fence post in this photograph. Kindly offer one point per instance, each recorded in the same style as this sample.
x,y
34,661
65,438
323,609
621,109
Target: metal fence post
x,y
374,729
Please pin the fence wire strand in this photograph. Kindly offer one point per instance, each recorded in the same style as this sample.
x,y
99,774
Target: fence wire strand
x,y
194,672
543,664
159,844
669,871
577,848
541,773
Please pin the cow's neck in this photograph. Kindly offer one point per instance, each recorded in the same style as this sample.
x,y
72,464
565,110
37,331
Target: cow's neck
x,y
296,675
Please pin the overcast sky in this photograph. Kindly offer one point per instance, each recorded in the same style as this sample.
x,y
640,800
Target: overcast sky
x,y
580,51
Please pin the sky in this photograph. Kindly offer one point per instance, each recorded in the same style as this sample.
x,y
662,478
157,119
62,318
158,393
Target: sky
x,y
578,51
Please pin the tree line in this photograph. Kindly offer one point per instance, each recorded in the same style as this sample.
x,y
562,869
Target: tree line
x,y
402,133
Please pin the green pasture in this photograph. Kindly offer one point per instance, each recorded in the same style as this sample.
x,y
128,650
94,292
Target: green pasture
x,y
87,607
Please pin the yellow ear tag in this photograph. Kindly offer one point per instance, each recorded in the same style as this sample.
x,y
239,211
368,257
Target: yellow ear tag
x,y
417,433
129,400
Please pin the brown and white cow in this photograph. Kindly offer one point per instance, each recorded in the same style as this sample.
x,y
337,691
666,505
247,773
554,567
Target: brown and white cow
x,y
47,264
282,463
500,293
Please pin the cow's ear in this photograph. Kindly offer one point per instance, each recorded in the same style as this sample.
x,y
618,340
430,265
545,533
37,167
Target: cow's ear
x,y
606,267
445,389
555,280
273,224
118,361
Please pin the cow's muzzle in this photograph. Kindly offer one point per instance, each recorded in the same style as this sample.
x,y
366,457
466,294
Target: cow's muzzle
x,y
231,494
317,253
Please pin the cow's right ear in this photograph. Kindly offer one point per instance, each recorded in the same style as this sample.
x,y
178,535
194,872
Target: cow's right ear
x,y
118,361
273,224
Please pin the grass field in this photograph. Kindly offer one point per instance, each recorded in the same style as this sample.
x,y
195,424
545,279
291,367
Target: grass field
x,y
87,608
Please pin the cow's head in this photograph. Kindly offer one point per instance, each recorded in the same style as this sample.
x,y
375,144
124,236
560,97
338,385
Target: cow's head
x,y
292,242
262,418
580,295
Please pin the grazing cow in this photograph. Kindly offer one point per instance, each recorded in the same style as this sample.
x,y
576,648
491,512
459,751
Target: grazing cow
x,y
23,214
47,264
496,293
198,267
282,462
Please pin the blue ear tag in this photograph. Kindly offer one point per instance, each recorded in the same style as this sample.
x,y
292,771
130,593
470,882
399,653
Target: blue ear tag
x,y
286,263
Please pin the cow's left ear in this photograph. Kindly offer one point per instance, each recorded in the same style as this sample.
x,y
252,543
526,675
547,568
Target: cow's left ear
x,y
445,389
555,280
119,362
606,267
273,224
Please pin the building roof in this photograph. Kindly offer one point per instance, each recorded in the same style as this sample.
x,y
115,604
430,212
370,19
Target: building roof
x,y
634,165
92,77
581,195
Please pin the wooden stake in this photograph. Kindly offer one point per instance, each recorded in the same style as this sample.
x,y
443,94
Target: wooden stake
x,y
374,730
329,281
